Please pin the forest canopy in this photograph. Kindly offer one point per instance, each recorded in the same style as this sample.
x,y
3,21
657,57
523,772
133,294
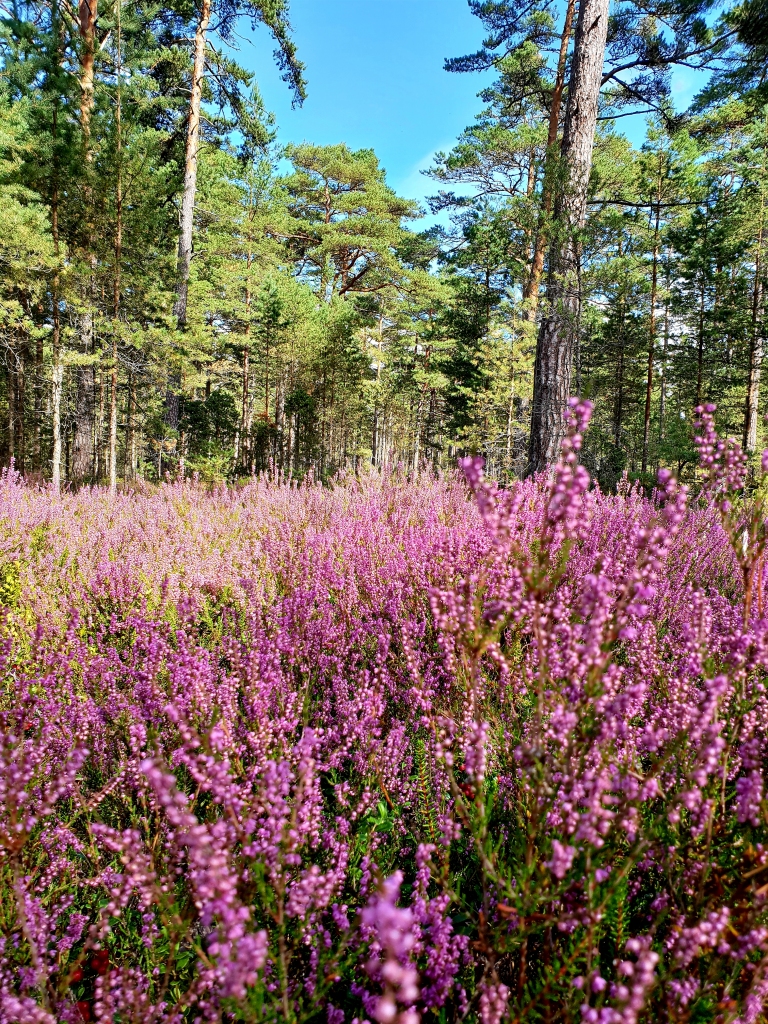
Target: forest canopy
x,y
182,292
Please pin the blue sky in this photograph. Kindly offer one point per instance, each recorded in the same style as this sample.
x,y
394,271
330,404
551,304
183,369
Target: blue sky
x,y
376,79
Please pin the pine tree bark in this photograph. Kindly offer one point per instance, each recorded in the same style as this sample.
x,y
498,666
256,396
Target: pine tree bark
x,y
37,454
191,150
279,418
652,326
618,408
87,15
246,378
531,290
245,396
83,450
98,446
113,415
755,332
417,436
116,283
56,385
700,344
755,353
555,346
57,376
131,440
11,364
58,365
81,466
664,351
187,215
21,464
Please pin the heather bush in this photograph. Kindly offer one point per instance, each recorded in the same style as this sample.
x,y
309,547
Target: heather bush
x,y
394,750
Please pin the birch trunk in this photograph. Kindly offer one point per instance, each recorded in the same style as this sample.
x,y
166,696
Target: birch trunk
x,y
56,383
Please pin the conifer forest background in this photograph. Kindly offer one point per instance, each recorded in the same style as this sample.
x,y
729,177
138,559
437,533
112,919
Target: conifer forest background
x,y
181,293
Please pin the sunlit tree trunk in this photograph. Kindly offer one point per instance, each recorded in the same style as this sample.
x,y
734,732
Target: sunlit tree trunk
x,y
57,374
21,379
375,435
510,420
83,440
113,414
755,331
665,349
56,386
191,150
246,384
37,453
131,426
246,387
417,437
83,449
531,290
279,418
555,347
58,366
87,15
187,215
618,409
98,446
700,344
118,262
652,323
755,353
115,335
10,355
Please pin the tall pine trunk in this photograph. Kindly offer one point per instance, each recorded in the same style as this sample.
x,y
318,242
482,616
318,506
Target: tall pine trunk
x,y
11,366
118,261
618,407
664,351
187,215
98,447
83,441
555,346
56,386
57,376
81,463
37,455
755,332
700,344
755,353
245,446
58,366
652,325
131,438
21,463
531,290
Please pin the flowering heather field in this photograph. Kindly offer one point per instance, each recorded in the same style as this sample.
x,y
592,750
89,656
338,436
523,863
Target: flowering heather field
x,y
388,751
